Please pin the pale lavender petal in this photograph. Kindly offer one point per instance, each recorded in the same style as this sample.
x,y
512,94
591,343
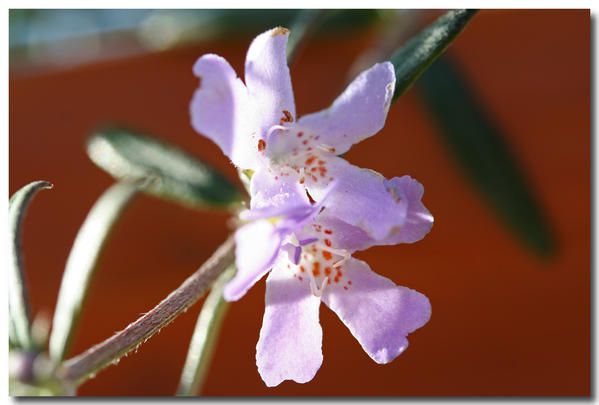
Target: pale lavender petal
x,y
377,312
268,81
272,189
360,198
419,220
256,248
343,235
283,217
219,110
358,113
290,344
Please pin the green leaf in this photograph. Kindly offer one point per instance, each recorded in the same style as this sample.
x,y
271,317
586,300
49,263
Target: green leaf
x,y
414,57
19,323
82,262
165,170
201,347
481,150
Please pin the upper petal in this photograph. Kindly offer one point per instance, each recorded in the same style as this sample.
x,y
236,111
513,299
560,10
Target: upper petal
x,y
377,312
417,223
419,220
358,113
290,344
256,248
268,81
219,110
272,189
360,198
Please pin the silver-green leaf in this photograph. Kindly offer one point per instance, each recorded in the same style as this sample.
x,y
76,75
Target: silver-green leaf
x,y
480,148
166,171
416,55
19,317
201,347
82,262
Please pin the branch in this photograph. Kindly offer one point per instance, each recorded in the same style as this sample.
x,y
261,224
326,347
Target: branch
x,y
84,366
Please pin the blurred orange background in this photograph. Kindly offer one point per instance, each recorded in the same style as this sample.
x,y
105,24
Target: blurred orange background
x,y
504,322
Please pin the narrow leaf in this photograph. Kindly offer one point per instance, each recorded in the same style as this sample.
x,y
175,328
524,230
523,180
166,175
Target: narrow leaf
x,y
82,262
18,304
414,57
166,171
481,150
199,353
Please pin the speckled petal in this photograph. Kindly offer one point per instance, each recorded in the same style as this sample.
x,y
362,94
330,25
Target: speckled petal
x,y
417,223
268,80
290,344
378,313
360,198
269,189
358,113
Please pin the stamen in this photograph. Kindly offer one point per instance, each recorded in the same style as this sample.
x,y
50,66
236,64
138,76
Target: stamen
x,y
326,148
340,262
312,200
297,255
275,128
307,241
293,240
339,252
317,291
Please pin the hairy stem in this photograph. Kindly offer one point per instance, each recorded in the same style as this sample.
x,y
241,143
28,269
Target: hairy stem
x,y
84,366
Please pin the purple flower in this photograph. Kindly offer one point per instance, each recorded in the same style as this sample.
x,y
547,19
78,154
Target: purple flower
x,y
310,209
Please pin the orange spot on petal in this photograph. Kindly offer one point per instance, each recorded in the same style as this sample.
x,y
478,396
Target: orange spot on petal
x,y
316,268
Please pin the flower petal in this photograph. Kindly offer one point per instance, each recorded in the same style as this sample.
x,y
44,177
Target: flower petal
x,y
358,113
419,220
360,198
290,344
256,249
268,81
377,312
269,189
219,110
340,234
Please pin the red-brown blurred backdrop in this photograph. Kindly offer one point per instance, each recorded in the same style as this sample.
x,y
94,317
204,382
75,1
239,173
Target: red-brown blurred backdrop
x,y
504,322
